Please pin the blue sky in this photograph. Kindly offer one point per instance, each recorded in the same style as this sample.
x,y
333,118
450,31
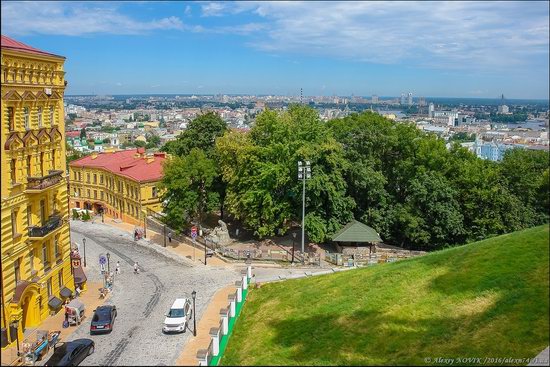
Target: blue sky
x,y
437,49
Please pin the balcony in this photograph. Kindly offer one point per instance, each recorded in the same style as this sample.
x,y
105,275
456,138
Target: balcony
x,y
39,184
51,225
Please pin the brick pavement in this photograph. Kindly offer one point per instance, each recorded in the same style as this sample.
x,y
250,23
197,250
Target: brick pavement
x,y
210,318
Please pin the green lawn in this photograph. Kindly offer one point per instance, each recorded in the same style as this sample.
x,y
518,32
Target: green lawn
x,y
485,299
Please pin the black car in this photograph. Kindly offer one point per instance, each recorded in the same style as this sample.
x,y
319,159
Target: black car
x,y
103,320
71,353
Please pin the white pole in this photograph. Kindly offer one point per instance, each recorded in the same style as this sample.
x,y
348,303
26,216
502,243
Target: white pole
x,y
303,211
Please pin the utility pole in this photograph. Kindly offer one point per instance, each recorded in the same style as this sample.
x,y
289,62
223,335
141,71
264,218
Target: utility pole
x,y
304,173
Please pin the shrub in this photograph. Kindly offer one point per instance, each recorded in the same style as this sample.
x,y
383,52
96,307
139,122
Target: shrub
x,y
86,216
75,214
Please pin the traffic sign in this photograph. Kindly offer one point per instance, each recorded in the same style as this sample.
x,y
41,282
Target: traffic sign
x,y
102,259
194,232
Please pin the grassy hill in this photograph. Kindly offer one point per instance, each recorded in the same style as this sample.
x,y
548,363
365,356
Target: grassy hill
x,y
485,299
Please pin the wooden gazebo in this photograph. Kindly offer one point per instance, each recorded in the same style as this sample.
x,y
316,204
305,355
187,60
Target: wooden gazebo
x,y
354,235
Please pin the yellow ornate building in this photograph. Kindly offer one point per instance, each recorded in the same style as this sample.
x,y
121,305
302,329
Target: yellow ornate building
x,y
36,267
120,184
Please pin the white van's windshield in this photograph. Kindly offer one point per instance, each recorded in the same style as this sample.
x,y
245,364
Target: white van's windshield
x,y
176,312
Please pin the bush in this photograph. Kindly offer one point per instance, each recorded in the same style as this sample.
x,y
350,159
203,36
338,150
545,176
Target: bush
x,y
75,214
86,216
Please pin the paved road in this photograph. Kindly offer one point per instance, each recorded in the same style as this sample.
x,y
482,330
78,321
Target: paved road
x,y
142,299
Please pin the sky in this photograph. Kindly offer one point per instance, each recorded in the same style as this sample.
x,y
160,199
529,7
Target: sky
x,y
432,49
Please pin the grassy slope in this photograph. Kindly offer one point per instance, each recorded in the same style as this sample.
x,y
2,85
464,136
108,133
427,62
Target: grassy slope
x,y
486,299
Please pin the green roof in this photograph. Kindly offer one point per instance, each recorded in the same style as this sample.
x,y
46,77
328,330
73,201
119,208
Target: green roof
x,y
356,231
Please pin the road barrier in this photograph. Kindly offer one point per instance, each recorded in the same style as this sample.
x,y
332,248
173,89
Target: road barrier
x,y
219,337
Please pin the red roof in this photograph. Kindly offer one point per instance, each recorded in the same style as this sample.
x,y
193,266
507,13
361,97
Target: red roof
x,y
72,134
123,163
12,44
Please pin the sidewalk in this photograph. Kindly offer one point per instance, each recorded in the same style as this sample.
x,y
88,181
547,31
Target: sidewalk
x,y
210,319
181,249
91,300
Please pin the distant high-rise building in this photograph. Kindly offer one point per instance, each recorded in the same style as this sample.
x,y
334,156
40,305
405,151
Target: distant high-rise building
x,y
374,98
402,99
410,99
503,109
422,101
431,110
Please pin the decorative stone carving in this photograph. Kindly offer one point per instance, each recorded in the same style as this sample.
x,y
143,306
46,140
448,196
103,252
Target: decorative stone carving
x,y
220,235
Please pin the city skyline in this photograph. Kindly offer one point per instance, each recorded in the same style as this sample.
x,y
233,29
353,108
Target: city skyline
x,y
438,49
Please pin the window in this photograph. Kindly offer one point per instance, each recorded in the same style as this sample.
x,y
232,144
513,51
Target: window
x,y
42,172
39,117
11,118
52,121
101,179
137,196
17,269
74,174
56,247
75,193
42,212
45,255
13,171
87,177
154,192
79,176
80,192
95,194
29,164
50,292
95,178
102,195
14,231
60,279
26,118
53,159
89,193
54,202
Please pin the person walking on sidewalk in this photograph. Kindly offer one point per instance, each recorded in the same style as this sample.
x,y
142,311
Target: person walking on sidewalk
x,y
170,237
136,268
117,269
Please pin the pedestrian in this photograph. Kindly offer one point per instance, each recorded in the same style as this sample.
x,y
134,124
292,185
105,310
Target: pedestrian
x,y
170,237
117,269
135,235
136,268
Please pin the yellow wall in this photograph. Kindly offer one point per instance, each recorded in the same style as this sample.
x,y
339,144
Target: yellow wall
x,y
32,81
126,204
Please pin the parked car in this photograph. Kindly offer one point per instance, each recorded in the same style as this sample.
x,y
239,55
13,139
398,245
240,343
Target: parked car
x,y
103,319
178,316
71,353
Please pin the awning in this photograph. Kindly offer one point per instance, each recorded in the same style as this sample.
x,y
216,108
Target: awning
x,y
65,292
79,276
54,302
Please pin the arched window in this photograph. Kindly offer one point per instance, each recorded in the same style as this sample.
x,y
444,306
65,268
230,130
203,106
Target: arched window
x,y
26,117
52,122
39,117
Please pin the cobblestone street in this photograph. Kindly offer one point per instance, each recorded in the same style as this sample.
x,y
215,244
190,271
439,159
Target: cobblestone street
x,y
142,299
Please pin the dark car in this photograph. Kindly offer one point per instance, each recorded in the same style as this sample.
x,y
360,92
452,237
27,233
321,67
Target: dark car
x,y
103,320
71,353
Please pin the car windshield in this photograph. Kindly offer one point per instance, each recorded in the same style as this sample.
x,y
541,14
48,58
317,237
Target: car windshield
x,y
102,315
176,312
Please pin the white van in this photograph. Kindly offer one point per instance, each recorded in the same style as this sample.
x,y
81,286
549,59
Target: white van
x,y
178,316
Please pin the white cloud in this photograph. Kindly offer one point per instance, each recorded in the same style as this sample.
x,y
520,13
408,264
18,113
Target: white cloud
x,y
483,35
75,19
187,10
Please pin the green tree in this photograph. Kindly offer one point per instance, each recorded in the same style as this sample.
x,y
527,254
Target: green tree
x,y
188,186
83,133
139,143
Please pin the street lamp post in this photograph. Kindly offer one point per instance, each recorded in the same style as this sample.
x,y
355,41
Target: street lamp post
x,y
15,325
205,242
84,243
194,295
293,241
164,230
304,173
108,263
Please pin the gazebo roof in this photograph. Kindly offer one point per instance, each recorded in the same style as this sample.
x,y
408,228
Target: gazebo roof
x,y
356,231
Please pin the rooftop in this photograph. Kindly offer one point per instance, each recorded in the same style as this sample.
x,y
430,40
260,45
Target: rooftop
x,y
128,163
11,44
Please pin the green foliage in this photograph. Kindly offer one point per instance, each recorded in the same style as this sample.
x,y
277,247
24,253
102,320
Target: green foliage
x,y
188,186
462,137
201,133
72,116
153,141
86,216
139,143
489,298
515,117
83,133
75,214
106,141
